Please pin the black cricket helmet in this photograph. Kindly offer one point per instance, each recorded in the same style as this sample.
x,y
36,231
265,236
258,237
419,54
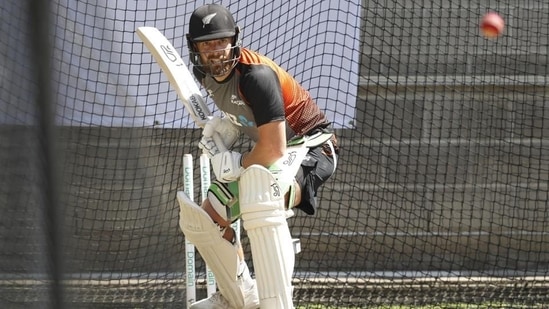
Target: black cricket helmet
x,y
210,22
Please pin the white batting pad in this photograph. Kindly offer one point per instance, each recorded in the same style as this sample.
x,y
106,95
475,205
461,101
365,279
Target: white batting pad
x,y
264,218
285,168
220,255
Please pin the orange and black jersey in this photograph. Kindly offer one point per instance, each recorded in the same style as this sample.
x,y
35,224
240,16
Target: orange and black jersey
x,y
258,91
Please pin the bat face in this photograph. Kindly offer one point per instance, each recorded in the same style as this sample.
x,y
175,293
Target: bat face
x,y
177,73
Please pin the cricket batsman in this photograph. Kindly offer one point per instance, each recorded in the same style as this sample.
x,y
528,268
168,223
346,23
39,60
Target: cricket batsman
x,y
260,100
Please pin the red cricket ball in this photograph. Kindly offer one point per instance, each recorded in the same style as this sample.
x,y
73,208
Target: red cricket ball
x,y
492,25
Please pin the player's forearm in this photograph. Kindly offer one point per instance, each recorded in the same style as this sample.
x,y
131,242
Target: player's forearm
x,y
269,147
263,155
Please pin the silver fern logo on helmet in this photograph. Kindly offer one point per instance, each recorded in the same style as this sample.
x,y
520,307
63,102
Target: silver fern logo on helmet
x,y
207,19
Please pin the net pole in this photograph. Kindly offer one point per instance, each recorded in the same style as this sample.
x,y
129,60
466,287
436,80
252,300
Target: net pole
x,y
42,51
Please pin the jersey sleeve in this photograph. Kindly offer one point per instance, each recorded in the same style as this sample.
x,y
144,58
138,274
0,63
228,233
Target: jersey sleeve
x,y
261,89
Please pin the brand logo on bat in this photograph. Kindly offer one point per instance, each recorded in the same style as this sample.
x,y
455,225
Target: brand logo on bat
x,y
170,54
197,107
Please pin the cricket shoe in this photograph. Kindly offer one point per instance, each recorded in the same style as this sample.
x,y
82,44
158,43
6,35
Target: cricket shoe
x,y
217,301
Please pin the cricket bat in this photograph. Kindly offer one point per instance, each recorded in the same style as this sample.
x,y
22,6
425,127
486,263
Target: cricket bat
x,y
188,92
177,73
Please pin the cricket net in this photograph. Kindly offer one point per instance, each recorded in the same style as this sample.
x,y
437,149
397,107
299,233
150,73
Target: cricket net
x,y
441,192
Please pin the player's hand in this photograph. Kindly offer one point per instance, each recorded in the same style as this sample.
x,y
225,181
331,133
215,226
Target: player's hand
x,y
219,135
227,166
211,146
228,132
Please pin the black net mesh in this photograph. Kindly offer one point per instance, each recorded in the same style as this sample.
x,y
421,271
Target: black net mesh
x,y
440,193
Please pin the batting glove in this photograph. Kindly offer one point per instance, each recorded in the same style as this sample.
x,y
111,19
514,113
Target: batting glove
x,y
227,166
210,147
